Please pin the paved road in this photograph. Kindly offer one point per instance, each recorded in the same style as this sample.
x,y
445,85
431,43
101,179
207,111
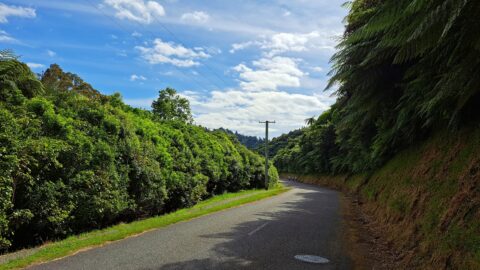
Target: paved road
x,y
262,235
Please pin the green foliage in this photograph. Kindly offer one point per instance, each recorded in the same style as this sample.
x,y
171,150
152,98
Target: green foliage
x,y
171,106
55,80
251,142
280,142
312,150
73,160
404,69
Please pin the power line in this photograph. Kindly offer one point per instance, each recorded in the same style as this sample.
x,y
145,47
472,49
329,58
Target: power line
x,y
179,41
175,37
197,82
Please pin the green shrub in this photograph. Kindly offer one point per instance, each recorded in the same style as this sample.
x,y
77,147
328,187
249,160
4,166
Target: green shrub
x,y
72,160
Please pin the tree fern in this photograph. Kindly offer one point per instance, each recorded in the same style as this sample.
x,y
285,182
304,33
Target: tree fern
x,y
403,68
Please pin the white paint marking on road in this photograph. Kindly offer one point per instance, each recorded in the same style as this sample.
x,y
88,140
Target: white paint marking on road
x,y
311,259
257,229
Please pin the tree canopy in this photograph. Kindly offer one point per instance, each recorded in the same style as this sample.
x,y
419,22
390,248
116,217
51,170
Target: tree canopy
x,y
171,106
72,159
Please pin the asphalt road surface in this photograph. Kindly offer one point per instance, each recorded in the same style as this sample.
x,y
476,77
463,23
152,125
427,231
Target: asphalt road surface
x,y
263,235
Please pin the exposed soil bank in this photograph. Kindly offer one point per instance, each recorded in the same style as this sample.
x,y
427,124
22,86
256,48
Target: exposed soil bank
x,y
422,207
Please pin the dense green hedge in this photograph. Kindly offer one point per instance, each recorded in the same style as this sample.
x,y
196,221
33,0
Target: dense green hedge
x,y
72,160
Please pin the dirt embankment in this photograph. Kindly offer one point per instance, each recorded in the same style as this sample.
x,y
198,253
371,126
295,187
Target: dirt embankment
x,y
419,211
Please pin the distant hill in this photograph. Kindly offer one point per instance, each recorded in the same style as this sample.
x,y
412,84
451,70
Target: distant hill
x,y
258,144
251,142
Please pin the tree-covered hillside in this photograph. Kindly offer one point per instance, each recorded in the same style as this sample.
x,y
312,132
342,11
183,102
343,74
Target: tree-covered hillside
x,y
251,142
72,159
405,70
280,142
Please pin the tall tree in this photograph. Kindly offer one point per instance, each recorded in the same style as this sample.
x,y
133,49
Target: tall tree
x,y
171,106
55,79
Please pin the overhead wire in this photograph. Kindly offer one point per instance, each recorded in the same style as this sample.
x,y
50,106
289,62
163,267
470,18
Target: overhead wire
x,y
187,76
179,41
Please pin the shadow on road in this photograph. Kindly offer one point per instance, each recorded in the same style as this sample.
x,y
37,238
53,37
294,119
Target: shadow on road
x,y
309,222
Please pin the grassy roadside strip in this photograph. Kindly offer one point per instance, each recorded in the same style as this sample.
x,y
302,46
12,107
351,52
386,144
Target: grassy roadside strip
x,y
75,243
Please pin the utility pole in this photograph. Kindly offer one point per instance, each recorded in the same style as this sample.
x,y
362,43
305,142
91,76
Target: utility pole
x,y
266,150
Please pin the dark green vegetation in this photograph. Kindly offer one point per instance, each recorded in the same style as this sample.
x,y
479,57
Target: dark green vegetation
x,y
425,201
73,160
251,142
405,126
90,239
280,142
405,70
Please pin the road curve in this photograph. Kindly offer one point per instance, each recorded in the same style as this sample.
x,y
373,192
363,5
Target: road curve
x,y
263,235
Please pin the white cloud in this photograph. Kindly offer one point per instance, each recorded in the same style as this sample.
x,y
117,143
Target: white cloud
x,y
136,10
136,77
288,42
51,53
35,65
270,74
167,73
11,11
318,69
6,38
196,17
136,34
171,53
241,111
122,53
280,43
244,45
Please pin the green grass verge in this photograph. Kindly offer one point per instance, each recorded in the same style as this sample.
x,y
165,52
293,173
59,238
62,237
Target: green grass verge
x,y
75,243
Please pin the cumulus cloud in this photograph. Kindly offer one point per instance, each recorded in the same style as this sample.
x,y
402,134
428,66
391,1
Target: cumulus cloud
x,y
269,74
35,65
170,53
244,45
241,110
289,42
274,70
6,38
136,10
195,17
15,11
136,77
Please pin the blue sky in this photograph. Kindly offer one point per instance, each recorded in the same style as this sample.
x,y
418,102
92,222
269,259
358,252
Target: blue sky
x,y
237,62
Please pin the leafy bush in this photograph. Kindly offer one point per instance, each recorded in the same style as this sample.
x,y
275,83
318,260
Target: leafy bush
x,y
72,160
